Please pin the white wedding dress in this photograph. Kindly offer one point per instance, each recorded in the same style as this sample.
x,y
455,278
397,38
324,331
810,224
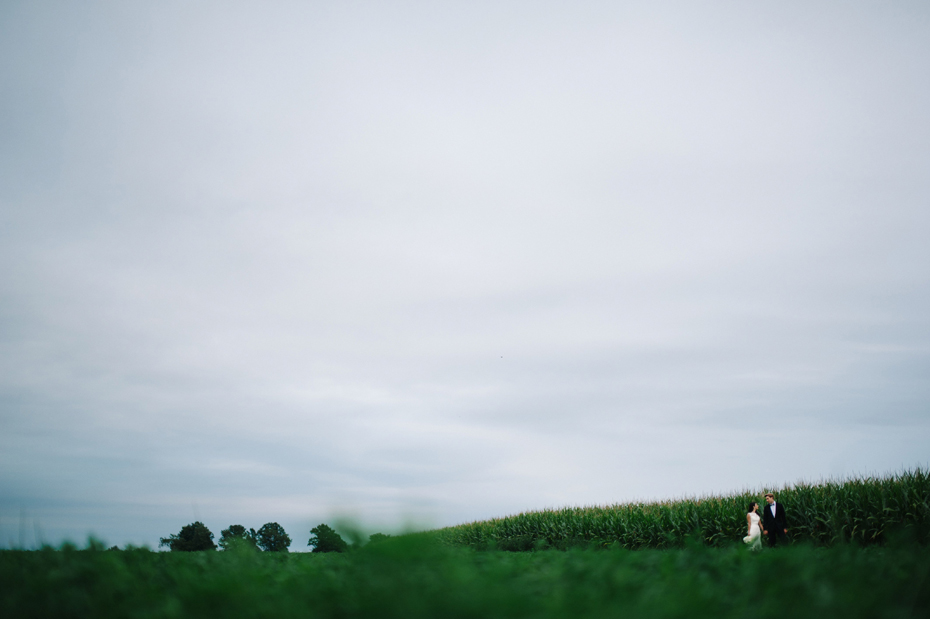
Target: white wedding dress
x,y
754,539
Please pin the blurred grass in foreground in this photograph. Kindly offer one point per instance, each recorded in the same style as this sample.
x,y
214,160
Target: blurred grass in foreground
x,y
864,511
415,576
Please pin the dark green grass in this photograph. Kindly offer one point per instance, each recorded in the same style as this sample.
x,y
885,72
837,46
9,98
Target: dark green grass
x,y
416,577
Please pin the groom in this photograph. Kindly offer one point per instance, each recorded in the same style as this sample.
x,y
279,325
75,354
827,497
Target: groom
x,y
774,523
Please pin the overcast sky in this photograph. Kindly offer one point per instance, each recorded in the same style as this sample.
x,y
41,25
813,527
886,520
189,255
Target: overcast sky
x,y
436,262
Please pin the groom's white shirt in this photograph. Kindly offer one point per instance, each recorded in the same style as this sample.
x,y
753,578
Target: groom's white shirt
x,y
772,507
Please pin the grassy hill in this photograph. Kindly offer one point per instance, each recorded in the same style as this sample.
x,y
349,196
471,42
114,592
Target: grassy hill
x,y
414,576
863,511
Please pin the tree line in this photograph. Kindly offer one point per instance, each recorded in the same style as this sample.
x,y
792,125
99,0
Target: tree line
x,y
271,537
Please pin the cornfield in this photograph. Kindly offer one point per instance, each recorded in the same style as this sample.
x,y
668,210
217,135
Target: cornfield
x,y
864,511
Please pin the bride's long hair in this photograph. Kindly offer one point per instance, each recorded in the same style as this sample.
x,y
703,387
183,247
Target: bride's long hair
x,y
752,507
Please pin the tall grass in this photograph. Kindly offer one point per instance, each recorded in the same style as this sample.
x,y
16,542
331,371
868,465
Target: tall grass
x,y
864,510
414,578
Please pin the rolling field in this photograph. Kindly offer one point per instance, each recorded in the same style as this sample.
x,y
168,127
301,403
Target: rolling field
x,y
860,550
862,511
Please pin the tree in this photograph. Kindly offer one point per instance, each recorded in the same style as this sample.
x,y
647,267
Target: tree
x,y
236,537
325,539
195,536
272,538
375,538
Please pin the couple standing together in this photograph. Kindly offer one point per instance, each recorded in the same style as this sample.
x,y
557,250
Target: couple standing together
x,y
773,523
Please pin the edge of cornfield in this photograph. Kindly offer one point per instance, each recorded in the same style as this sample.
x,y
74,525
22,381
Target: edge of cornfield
x,y
864,510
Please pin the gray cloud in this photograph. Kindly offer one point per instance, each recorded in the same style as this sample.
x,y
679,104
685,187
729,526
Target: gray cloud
x,y
442,263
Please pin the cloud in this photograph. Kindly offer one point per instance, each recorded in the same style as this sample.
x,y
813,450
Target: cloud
x,y
280,263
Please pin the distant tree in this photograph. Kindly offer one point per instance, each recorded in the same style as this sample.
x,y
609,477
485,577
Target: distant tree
x,y
325,539
195,536
374,538
272,538
237,536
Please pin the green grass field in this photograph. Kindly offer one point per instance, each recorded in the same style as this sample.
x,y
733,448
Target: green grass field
x,y
420,578
860,550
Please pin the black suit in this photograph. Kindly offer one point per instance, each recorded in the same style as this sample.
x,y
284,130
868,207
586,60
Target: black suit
x,y
775,525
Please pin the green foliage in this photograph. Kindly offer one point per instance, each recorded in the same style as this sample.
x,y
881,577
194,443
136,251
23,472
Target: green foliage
x,y
411,578
194,536
272,538
376,538
863,511
324,539
237,537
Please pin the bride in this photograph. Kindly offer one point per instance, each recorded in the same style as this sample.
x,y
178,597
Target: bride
x,y
754,539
